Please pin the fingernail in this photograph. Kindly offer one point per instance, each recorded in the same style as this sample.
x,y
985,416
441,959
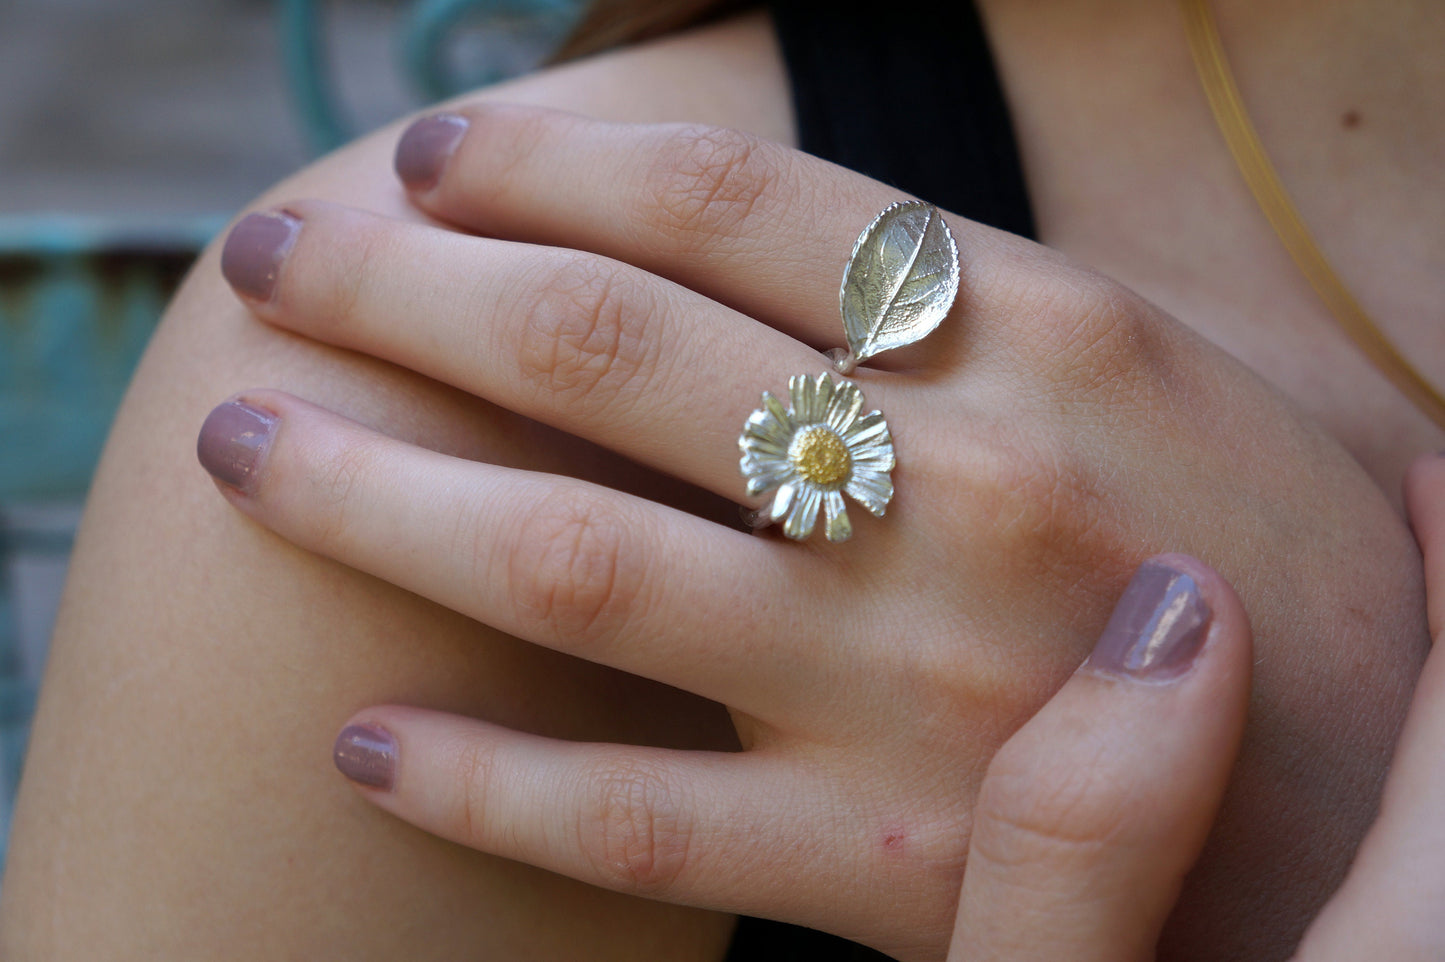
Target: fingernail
x,y
254,251
424,148
366,755
233,442
1158,626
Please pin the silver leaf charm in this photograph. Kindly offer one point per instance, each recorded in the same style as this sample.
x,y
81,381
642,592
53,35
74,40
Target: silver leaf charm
x,y
900,281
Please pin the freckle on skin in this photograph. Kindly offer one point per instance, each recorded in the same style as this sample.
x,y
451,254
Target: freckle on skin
x,y
1351,119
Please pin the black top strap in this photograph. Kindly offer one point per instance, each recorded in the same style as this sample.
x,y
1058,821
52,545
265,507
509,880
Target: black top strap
x,y
916,104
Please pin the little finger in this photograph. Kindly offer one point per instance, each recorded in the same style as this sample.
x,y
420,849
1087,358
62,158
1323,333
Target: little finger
x,y
732,832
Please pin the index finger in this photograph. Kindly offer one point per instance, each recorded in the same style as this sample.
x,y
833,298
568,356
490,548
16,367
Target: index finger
x,y
753,224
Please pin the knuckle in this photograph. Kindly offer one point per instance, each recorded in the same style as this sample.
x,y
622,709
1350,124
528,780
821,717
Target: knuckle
x,y
518,135
1099,340
706,183
1046,518
637,831
473,778
1051,511
571,573
1103,339
338,289
336,482
1032,814
587,332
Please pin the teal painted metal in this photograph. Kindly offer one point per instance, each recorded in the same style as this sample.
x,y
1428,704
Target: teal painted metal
x,y
309,75
17,705
78,301
428,34
433,24
79,298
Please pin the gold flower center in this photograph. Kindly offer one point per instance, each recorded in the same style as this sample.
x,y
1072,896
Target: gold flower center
x,y
820,456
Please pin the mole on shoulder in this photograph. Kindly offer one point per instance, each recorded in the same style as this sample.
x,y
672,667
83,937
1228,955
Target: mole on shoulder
x,y
1351,119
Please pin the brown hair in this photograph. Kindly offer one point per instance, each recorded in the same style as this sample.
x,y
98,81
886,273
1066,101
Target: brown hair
x,y
615,23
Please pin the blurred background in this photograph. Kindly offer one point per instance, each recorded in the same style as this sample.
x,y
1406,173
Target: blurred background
x,y
130,132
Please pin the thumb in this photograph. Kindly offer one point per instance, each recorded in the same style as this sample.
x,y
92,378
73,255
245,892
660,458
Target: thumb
x,y
1090,816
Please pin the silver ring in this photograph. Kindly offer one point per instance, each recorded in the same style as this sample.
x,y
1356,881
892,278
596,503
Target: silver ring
x,y
815,450
898,285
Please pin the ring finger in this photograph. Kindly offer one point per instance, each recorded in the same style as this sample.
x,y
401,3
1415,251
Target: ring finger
x,y
729,831
556,561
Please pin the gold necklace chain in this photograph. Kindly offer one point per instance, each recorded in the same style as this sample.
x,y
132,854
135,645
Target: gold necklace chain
x,y
1264,183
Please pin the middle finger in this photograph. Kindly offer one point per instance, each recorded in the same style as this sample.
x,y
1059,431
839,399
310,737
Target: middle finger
x,y
601,349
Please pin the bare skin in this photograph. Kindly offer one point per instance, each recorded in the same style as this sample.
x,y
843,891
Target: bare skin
x,y
190,702
180,801
1128,174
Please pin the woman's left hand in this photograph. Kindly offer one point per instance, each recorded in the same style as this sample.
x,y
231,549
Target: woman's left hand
x,y
1054,432
1090,815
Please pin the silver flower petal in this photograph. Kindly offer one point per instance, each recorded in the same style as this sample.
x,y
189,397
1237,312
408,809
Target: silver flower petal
x,y
783,501
872,491
800,396
804,513
867,428
776,409
843,411
764,478
822,396
766,436
812,452
838,527
878,460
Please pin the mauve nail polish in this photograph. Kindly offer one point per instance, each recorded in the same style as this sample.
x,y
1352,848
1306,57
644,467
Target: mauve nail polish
x,y
424,148
233,443
254,251
1158,626
366,755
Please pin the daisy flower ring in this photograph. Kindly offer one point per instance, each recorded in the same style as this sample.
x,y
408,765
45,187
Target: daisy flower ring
x,y
815,450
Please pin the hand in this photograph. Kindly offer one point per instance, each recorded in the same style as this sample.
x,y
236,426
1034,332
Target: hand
x,y
1090,815
1054,432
